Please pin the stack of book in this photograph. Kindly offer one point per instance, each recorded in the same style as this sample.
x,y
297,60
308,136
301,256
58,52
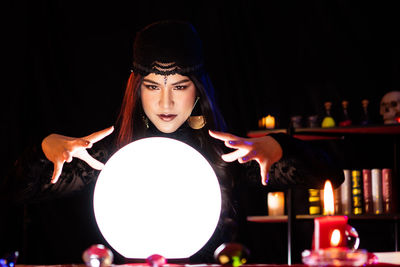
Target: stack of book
x,y
366,191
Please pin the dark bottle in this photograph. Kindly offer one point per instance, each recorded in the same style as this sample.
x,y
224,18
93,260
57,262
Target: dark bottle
x,y
365,120
327,120
345,119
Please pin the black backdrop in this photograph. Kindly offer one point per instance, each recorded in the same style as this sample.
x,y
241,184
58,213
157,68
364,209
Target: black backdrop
x,y
67,61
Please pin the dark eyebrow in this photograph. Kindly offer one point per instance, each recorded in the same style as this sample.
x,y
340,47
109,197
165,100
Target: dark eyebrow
x,y
181,81
150,81
178,82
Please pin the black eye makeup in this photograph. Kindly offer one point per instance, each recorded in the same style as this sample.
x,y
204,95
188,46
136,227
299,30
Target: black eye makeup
x,y
180,87
151,86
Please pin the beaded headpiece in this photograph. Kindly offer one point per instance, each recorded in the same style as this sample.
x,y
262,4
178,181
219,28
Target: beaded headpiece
x,y
168,47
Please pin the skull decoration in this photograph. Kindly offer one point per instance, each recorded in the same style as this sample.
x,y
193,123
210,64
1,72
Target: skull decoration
x,y
390,107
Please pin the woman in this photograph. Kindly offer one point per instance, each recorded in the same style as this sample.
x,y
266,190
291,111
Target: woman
x,y
170,94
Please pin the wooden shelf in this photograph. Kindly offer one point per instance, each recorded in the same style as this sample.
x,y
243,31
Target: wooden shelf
x,y
334,132
268,219
392,131
284,218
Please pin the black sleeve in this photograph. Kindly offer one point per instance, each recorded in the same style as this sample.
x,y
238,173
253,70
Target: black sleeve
x,y
301,165
29,178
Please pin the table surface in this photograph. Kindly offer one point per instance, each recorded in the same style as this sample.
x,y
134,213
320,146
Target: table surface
x,y
385,259
197,265
187,265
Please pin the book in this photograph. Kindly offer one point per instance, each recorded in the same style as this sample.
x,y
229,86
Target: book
x,y
356,192
376,181
345,193
314,200
387,190
367,191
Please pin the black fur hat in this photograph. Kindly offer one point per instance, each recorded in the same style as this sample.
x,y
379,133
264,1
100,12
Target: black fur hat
x,y
168,47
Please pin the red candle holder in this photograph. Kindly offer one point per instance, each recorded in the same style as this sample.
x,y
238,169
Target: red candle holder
x,y
329,231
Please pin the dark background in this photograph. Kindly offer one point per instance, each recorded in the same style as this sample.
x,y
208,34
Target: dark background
x,y
66,62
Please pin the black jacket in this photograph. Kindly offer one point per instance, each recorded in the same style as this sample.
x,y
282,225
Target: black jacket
x,y
58,220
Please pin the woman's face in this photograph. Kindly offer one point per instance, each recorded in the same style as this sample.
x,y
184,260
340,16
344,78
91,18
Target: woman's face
x,y
167,100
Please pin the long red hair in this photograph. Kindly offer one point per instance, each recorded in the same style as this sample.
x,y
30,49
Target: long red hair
x,y
131,119
130,113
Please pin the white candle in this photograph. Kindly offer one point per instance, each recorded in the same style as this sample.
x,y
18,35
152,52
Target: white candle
x,y
276,203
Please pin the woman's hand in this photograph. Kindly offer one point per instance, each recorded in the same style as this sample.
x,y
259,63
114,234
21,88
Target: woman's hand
x,y
59,149
265,150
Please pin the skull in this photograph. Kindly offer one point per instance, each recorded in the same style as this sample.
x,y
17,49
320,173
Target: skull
x,y
390,107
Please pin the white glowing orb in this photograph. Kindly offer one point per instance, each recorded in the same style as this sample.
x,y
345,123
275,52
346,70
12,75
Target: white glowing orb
x,y
157,196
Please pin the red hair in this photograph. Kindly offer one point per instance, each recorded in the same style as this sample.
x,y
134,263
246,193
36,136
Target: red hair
x,y
130,121
129,113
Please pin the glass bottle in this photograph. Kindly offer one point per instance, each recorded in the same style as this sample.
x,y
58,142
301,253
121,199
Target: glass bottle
x,y
364,115
345,119
328,120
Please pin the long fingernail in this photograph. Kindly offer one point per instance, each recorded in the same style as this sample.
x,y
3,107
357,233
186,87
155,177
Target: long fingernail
x,y
267,180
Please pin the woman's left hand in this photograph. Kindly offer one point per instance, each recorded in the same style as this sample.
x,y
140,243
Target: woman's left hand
x,y
265,150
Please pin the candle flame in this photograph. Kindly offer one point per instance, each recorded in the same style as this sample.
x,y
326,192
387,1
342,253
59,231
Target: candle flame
x,y
335,238
329,203
270,122
267,122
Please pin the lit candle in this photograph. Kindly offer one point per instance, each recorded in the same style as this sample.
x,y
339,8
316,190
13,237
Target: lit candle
x,y
329,202
276,203
329,231
269,122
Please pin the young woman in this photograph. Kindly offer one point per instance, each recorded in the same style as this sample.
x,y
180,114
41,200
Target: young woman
x,y
170,94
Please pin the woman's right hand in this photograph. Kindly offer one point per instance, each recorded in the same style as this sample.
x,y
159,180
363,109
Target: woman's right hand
x,y
59,149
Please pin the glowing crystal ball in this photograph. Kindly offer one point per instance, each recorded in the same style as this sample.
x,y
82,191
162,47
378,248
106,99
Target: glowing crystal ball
x,y
157,196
